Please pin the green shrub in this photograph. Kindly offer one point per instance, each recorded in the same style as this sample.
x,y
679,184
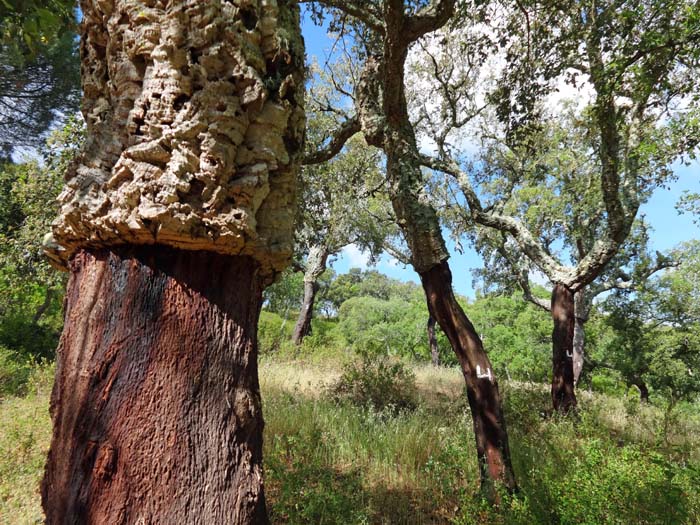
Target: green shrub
x,y
377,383
273,332
14,372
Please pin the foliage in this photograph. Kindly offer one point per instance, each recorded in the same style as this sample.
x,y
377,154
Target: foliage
x,y
14,373
28,24
369,283
516,334
40,70
30,289
273,332
655,333
330,463
286,293
377,383
377,327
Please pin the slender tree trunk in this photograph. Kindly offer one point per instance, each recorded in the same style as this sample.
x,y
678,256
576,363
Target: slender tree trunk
x,y
48,297
156,406
382,111
643,389
315,266
563,315
482,388
432,341
303,325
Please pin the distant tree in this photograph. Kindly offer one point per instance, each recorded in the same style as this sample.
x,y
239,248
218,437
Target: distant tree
x,y
30,288
381,33
342,201
655,341
368,283
40,79
639,61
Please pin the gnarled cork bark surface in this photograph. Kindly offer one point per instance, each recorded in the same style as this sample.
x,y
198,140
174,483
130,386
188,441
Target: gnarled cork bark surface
x,y
156,406
195,119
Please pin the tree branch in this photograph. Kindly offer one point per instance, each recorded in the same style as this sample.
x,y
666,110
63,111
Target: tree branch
x,y
355,8
346,130
430,18
528,244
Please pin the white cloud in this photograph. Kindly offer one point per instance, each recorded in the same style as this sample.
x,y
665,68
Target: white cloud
x,y
356,258
538,277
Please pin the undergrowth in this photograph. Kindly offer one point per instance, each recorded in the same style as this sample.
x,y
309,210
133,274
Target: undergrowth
x,y
329,462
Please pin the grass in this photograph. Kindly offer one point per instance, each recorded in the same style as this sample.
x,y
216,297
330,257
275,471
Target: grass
x,y
329,463
25,433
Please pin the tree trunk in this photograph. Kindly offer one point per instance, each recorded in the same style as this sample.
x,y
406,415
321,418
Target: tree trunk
x,y
303,326
43,307
482,388
643,389
156,406
432,341
382,111
563,315
315,266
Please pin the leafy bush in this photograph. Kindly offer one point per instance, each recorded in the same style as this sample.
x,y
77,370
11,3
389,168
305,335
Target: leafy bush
x,y
273,332
377,383
14,372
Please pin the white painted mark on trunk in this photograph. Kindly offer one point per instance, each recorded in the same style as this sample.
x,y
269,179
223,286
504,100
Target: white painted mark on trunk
x,y
482,375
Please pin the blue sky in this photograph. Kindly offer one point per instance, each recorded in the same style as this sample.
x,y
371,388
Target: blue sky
x,y
669,228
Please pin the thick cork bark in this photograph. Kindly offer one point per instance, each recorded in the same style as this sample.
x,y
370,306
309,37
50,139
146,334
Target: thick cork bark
x,y
178,213
194,111
482,388
563,315
156,406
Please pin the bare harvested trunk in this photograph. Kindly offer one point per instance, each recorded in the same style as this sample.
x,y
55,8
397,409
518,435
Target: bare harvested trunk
x,y
156,406
315,266
432,342
563,315
482,388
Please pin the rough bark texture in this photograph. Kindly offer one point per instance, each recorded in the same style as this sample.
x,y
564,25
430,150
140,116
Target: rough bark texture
x,y
156,406
563,315
315,266
195,120
432,342
482,388
177,214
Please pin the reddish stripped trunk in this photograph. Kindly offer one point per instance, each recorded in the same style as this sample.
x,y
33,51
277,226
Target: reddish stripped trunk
x,y
432,342
156,407
563,396
482,388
